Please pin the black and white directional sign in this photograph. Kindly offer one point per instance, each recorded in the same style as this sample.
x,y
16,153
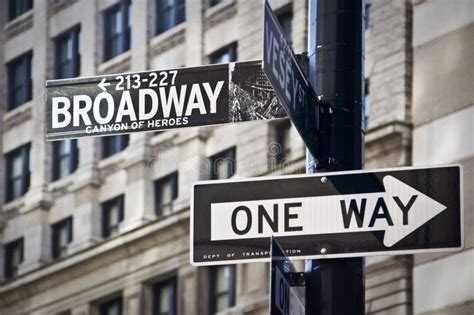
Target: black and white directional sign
x,y
286,298
288,80
159,100
342,214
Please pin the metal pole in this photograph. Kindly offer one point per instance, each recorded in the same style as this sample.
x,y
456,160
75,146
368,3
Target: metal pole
x,y
336,60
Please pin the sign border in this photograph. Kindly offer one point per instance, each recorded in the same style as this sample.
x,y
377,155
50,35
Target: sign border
x,y
330,256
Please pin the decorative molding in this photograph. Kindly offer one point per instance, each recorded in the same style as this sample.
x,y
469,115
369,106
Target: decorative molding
x,y
118,64
168,40
58,5
17,116
19,25
219,13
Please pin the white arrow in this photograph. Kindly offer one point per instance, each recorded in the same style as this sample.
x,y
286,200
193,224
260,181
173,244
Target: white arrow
x,y
398,211
102,84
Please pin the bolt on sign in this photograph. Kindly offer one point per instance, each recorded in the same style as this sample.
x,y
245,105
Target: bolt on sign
x,y
340,214
159,100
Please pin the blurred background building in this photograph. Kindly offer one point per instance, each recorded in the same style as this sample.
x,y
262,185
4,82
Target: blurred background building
x,y
101,225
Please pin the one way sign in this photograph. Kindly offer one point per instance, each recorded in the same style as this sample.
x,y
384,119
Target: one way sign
x,y
356,213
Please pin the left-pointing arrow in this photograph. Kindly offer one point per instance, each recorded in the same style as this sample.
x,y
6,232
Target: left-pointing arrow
x,y
102,84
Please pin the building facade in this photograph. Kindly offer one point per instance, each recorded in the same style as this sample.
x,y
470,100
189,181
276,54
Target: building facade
x,y
100,225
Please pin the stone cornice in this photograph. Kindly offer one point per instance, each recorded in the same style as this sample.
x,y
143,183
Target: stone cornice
x,y
19,24
219,13
168,40
17,116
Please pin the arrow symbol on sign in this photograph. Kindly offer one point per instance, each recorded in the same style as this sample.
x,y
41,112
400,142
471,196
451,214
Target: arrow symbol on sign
x,y
398,211
102,84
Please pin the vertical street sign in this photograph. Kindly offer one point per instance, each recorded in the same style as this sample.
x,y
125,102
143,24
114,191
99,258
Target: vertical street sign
x,y
288,80
332,215
159,100
286,296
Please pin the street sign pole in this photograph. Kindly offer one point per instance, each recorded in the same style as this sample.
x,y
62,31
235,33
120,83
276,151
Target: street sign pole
x,y
336,59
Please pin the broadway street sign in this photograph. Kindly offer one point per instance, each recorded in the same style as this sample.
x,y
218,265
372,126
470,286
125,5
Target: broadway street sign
x,y
159,100
342,214
288,80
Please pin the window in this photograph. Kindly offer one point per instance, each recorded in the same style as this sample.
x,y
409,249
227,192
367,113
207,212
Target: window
x,y
367,104
18,172
68,54
62,236
222,288
282,130
13,257
112,215
164,296
114,144
286,20
117,26
169,13
18,7
166,191
111,307
224,55
65,158
223,164
214,2
19,80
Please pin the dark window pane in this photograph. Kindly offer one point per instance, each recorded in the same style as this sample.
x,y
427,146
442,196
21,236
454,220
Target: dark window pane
x,y
165,298
224,55
18,7
114,144
19,81
18,172
68,55
13,257
111,307
65,157
62,236
112,215
214,2
222,287
166,191
286,21
169,13
223,165
117,24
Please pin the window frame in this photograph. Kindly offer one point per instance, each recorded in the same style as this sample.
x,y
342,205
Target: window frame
x,y
178,11
11,271
227,154
157,287
103,306
24,153
25,60
73,34
281,128
282,14
159,206
214,57
213,287
124,7
28,5
72,156
56,248
107,229
120,144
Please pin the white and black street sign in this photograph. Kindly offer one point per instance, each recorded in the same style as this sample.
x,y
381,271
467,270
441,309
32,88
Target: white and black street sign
x,y
341,214
159,100
286,297
288,80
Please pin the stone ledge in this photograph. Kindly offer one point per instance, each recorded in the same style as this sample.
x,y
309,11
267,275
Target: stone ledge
x,y
167,40
19,24
118,64
17,116
219,13
58,5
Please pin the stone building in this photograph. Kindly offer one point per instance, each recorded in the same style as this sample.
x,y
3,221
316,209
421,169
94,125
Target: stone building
x,y
101,225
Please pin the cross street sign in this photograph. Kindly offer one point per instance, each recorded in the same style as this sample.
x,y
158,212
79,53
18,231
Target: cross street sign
x,y
340,214
288,80
159,100
286,297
